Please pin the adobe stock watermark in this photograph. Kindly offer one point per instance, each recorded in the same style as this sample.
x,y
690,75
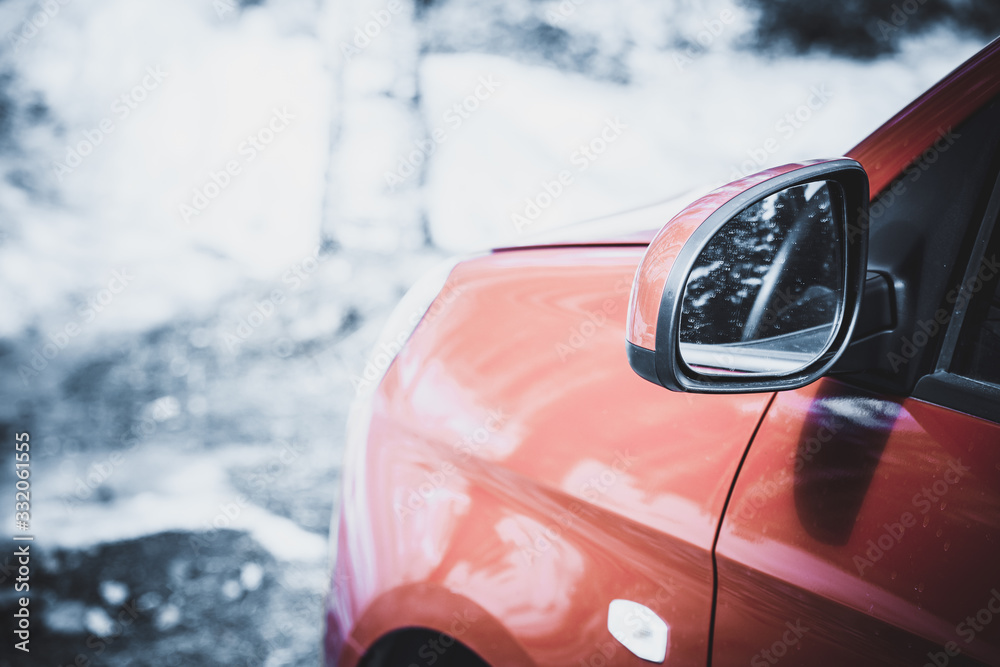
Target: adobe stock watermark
x,y
84,487
587,329
967,630
780,647
541,541
783,479
914,172
584,156
121,108
892,533
664,595
224,7
467,447
8,569
248,150
224,519
98,473
604,651
453,118
579,335
88,312
381,357
636,620
35,23
711,30
598,485
562,11
266,474
307,586
261,478
262,311
929,328
434,649
899,17
295,276
781,303
364,34
786,127
109,632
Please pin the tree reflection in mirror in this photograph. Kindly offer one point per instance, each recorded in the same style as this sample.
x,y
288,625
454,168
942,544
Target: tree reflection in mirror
x,y
765,295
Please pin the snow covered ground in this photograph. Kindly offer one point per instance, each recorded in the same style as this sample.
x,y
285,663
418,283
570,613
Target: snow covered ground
x,y
209,207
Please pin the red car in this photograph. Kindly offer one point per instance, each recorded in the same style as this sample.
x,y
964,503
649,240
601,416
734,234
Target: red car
x,y
793,457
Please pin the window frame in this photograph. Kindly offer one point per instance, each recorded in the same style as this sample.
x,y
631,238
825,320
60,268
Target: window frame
x,y
944,386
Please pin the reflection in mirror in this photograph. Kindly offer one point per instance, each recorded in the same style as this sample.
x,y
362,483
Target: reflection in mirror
x,y
766,293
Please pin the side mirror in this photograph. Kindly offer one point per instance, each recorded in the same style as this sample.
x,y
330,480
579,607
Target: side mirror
x,y
755,286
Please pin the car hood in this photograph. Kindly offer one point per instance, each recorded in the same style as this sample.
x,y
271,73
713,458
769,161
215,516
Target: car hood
x,y
634,227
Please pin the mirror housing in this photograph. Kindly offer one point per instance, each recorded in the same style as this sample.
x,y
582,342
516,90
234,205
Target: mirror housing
x,y
656,318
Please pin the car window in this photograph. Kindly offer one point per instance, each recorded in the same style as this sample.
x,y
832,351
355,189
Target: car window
x,y
977,355
922,228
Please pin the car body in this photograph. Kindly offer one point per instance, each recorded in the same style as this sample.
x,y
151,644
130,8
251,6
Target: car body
x,y
509,475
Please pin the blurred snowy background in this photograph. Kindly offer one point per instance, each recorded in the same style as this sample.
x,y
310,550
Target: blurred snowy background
x,y
209,207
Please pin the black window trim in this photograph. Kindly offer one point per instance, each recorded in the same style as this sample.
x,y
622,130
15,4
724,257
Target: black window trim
x,y
952,390
957,392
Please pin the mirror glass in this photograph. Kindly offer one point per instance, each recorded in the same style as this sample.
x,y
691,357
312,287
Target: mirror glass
x,y
766,293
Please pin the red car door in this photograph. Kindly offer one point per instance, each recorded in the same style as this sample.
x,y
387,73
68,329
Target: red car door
x,y
864,528
862,531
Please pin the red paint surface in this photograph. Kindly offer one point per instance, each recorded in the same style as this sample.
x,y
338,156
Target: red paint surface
x,y
874,523
519,535
597,485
